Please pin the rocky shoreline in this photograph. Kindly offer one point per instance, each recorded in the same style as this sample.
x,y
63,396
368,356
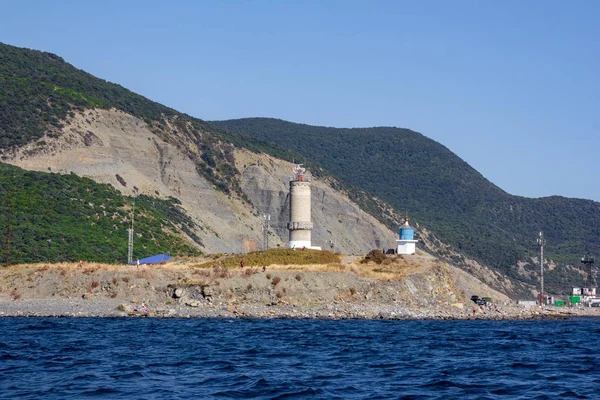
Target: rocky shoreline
x,y
105,308
429,291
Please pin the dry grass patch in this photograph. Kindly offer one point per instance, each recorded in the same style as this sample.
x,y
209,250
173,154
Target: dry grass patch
x,y
144,273
274,257
333,267
391,268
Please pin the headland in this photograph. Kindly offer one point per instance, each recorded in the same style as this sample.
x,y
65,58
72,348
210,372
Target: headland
x,y
420,287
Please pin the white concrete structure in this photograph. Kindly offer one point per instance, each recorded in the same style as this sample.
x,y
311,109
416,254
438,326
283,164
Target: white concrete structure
x,y
300,224
406,242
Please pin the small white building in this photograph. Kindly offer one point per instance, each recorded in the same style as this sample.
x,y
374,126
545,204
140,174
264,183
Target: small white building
x,y
406,242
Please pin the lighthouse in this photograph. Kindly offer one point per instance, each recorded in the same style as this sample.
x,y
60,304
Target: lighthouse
x,y
406,241
300,225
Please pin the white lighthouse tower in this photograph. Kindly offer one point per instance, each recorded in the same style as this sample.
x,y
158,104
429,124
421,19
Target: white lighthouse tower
x,y
406,241
300,225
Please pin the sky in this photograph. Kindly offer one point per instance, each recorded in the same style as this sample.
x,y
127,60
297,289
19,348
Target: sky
x,y
512,87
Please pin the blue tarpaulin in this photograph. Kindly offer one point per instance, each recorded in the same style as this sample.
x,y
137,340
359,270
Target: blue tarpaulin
x,y
153,259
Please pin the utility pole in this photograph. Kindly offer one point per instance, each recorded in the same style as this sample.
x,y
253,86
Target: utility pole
x,y
8,237
267,218
130,246
541,242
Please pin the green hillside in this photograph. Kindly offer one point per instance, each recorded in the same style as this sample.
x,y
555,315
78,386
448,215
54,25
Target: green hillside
x,y
55,218
416,174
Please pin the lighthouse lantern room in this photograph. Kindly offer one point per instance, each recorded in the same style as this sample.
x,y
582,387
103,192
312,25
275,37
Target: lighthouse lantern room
x,y
406,239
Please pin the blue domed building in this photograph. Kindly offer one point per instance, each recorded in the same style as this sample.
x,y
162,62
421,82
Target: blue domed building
x,y
406,239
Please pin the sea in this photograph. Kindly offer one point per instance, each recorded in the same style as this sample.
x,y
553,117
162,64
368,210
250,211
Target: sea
x,y
144,358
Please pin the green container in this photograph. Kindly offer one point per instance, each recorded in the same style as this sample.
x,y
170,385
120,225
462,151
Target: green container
x,y
559,303
575,299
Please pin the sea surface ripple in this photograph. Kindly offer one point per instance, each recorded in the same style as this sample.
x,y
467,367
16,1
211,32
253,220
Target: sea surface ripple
x,y
219,358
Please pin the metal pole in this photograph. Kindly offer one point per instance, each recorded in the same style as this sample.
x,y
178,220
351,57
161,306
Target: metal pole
x,y
541,244
130,245
542,270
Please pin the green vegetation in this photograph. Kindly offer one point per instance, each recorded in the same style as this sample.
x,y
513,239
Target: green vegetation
x,y
59,218
275,256
443,193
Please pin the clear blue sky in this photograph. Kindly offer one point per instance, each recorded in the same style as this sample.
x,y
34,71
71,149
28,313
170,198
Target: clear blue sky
x,y
512,87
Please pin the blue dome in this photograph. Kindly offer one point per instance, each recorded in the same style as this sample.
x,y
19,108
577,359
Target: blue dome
x,y
407,233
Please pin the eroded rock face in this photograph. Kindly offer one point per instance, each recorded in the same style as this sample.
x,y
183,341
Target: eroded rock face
x,y
112,147
335,218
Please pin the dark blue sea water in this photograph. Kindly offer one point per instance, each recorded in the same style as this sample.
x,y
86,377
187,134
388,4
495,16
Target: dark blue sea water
x,y
209,358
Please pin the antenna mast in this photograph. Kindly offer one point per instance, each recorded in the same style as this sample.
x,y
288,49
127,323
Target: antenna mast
x,y
541,242
588,263
130,246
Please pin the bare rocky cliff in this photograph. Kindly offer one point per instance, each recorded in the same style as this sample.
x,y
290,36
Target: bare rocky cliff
x,y
112,147
339,224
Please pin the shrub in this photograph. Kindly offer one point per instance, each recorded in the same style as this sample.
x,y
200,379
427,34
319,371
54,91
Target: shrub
x,y
276,280
374,255
268,276
298,277
95,284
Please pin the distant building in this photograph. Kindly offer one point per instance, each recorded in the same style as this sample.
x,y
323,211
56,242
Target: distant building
x,y
406,239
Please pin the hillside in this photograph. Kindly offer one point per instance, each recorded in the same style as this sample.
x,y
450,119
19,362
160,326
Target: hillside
x,y
422,177
57,218
56,118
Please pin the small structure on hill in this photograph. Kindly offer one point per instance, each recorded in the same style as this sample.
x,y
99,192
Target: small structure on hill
x,y
406,239
586,296
156,259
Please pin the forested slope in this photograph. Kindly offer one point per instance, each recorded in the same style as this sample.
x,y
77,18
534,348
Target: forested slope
x,y
55,218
